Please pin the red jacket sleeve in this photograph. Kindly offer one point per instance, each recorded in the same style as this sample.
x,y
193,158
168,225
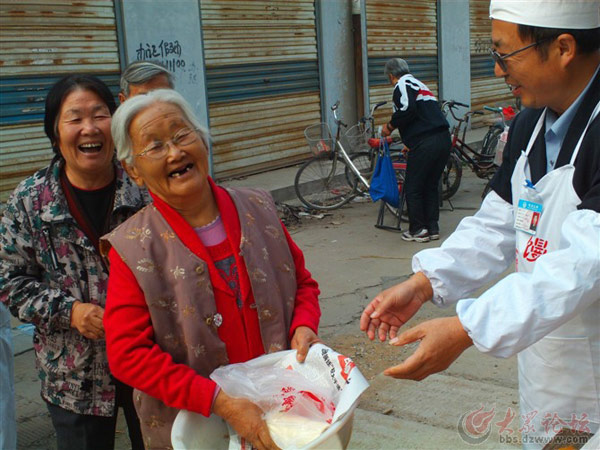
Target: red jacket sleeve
x,y
133,355
307,311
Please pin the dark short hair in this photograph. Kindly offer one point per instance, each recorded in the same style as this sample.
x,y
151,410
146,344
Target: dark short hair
x,y
63,87
588,41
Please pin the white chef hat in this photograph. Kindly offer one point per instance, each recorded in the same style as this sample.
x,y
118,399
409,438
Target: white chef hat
x,y
569,14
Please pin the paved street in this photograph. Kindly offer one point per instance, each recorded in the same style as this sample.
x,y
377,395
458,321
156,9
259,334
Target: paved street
x,y
352,261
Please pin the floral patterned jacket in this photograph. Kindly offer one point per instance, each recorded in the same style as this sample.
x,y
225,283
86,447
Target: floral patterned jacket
x,y
46,264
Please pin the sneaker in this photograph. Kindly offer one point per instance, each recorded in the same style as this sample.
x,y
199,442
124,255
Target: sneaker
x,y
419,236
434,236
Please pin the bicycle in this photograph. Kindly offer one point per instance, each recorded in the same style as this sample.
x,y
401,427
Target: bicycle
x,y
491,138
500,134
330,179
462,153
365,160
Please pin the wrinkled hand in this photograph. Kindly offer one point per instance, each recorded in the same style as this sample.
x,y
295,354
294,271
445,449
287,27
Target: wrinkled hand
x,y
87,319
245,418
392,308
303,338
384,131
442,341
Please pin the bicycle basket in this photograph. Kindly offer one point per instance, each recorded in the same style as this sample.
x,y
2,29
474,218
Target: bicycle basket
x,y
357,137
319,138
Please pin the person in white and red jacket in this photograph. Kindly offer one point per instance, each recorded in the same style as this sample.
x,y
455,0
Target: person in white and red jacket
x,y
424,130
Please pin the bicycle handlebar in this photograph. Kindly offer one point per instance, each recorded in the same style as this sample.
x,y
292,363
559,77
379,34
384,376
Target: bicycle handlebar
x,y
364,119
450,105
492,109
334,108
499,110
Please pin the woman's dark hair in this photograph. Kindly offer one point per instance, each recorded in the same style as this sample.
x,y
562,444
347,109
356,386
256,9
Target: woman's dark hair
x,y
588,41
59,92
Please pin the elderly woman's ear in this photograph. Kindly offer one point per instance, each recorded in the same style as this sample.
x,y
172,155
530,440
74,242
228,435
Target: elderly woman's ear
x,y
133,173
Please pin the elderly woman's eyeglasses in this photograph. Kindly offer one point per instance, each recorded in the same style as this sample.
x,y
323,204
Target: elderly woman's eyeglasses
x,y
159,149
501,59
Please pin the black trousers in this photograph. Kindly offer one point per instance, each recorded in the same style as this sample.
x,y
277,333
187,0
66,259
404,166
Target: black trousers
x,y
83,432
426,161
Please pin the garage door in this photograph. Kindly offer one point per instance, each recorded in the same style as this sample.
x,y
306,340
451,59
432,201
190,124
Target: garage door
x,y
486,89
405,29
262,82
41,40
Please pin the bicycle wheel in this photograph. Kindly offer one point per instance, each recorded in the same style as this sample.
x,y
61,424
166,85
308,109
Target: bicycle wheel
x,y
451,177
490,142
365,163
321,183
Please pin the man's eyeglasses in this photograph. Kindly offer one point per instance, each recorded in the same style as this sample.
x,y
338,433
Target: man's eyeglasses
x,y
501,59
158,149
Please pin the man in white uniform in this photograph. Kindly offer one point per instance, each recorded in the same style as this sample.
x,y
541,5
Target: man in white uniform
x,y
544,208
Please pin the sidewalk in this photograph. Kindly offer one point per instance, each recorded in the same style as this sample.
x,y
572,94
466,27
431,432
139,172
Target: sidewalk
x,y
352,261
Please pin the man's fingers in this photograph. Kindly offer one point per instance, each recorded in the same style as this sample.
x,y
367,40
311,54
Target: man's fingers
x,y
379,306
383,331
411,335
365,318
373,325
408,369
393,331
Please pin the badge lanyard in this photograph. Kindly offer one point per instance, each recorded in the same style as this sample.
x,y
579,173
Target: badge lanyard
x,y
530,206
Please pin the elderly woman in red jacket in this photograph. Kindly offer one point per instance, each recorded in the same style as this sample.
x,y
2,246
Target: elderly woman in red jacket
x,y
202,277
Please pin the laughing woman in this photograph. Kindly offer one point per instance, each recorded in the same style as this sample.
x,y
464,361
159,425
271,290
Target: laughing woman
x,y
202,277
51,271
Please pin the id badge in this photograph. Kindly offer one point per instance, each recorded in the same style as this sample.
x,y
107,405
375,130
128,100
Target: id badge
x,y
528,216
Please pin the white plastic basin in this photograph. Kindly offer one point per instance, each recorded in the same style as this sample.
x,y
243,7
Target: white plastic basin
x,y
193,431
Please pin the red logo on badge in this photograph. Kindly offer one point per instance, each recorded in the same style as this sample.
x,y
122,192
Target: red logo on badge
x,y
535,248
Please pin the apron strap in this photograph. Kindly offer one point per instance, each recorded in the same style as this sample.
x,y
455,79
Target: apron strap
x,y
536,131
592,117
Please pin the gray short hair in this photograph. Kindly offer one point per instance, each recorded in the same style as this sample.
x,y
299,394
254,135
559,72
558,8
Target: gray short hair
x,y
396,67
140,72
127,111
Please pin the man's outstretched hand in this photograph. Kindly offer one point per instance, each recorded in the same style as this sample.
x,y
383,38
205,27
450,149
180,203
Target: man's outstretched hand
x,y
441,342
392,308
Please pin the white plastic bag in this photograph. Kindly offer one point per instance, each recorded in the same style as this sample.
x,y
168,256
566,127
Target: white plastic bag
x,y
270,386
299,399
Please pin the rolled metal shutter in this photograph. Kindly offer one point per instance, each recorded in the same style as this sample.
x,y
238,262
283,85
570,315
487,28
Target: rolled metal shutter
x,y
486,88
262,82
42,40
405,29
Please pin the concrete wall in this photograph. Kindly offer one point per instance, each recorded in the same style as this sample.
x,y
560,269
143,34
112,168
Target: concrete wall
x,y
454,51
336,59
169,32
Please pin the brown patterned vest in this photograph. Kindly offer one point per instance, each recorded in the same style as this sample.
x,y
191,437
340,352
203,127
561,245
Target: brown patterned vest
x,y
180,299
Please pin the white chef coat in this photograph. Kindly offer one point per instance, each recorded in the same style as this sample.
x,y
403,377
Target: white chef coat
x,y
523,307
